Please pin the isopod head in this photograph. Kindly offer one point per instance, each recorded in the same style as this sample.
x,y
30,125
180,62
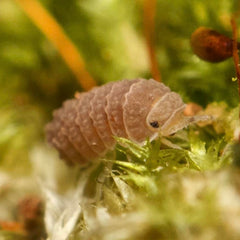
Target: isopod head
x,y
166,115
164,111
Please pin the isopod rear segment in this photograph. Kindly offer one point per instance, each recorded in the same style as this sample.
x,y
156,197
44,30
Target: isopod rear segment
x,y
83,129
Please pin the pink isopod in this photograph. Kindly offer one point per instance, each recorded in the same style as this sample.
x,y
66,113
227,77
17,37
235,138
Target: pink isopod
x,y
83,129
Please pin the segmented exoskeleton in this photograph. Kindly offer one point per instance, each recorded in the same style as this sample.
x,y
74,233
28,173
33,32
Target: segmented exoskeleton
x,y
84,128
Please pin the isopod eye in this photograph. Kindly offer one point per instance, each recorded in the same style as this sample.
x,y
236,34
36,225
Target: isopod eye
x,y
154,124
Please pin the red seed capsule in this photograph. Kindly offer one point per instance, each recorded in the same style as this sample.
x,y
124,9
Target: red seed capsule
x,y
210,45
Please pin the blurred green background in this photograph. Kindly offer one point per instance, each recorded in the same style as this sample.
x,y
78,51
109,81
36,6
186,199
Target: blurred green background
x,y
109,35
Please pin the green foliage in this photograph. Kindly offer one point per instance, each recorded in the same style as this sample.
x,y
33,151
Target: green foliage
x,y
184,72
198,155
20,127
4,235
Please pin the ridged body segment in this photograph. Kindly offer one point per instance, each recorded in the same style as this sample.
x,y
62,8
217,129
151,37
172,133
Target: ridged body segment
x,y
56,136
66,117
75,135
139,100
84,128
85,123
99,115
114,109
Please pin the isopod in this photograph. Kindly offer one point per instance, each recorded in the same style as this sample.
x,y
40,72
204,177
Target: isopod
x,y
84,128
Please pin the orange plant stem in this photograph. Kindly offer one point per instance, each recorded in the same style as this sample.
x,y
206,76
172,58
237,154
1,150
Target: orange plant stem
x,y
235,52
54,32
12,227
149,12
236,57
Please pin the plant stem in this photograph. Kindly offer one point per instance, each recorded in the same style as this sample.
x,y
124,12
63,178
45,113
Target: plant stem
x,y
54,32
149,12
236,57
